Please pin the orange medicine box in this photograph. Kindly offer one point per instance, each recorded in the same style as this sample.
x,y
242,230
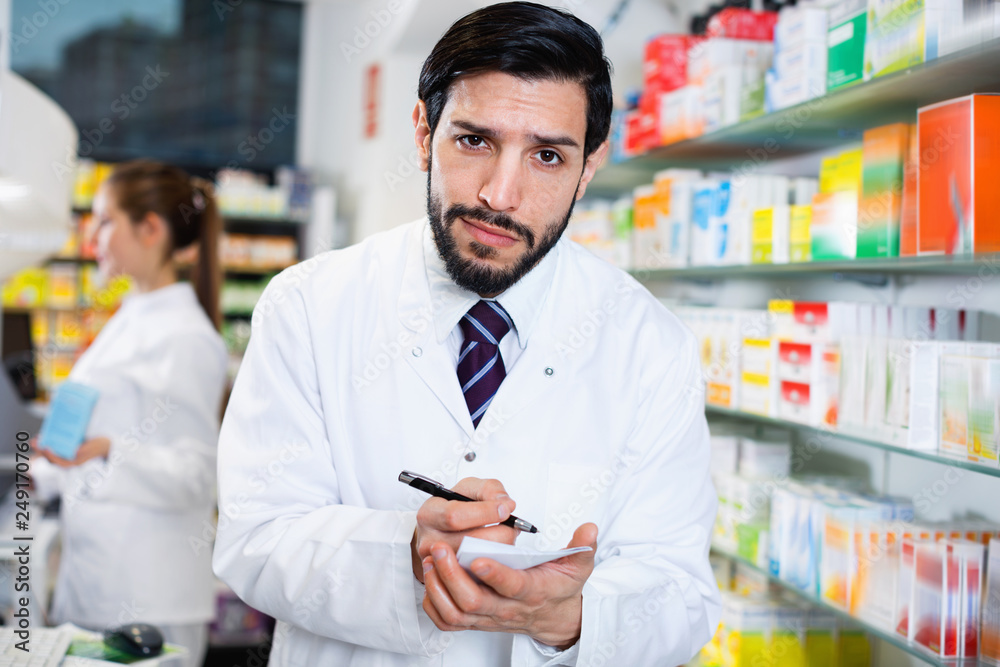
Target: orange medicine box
x,y
957,194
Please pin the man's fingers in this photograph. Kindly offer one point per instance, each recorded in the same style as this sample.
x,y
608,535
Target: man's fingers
x,y
467,596
502,534
437,591
485,489
507,582
584,536
520,584
431,582
452,516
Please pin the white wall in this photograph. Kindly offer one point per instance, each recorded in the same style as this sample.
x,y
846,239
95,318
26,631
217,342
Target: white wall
x,y
376,184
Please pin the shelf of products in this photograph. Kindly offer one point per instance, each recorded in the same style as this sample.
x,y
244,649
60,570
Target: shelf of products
x,y
965,265
881,633
824,122
713,411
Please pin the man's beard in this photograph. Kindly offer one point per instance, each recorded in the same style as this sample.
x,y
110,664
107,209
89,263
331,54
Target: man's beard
x,y
483,279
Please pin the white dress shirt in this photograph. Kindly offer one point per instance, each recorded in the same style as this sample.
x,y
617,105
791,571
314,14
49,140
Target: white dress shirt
x,y
350,377
522,302
137,526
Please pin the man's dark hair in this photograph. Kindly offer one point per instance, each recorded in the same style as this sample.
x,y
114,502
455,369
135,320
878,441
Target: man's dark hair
x,y
528,41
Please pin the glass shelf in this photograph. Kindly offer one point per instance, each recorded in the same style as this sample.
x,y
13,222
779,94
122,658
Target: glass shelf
x,y
986,264
821,123
711,410
883,634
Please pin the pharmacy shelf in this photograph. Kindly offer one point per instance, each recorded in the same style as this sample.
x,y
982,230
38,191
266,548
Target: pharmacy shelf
x,y
236,218
983,264
858,438
822,123
883,634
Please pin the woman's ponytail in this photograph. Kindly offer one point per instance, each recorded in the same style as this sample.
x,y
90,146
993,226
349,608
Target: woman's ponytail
x,y
207,273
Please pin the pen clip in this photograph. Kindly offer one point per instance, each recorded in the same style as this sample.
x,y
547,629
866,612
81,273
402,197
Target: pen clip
x,y
407,477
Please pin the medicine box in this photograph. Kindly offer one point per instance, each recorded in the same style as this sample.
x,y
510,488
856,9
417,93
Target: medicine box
x,y
908,211
845,42
884,154
799,235
798,25
984,404
989,646
954,400
959,169
715,53
904,33
648,249
758,389
741,23
769,238
680,114
664,65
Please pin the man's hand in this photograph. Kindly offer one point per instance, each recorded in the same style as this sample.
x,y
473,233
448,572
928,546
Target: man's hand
x,y
448,521
544,602
90,449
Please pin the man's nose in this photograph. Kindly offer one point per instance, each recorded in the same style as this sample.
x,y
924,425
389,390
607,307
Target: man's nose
x,y
502,189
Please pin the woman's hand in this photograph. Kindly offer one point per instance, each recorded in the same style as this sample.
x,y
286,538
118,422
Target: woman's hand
x,y
90,449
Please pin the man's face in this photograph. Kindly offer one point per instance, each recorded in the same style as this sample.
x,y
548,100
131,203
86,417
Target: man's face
x,y
505,166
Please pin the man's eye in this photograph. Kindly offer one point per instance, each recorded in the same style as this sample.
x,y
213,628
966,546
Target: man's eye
x,y
473,141
549,157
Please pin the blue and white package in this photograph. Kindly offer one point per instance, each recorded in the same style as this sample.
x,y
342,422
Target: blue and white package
x,y
65,425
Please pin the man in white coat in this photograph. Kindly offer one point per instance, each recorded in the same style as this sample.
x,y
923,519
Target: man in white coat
x,y
480,348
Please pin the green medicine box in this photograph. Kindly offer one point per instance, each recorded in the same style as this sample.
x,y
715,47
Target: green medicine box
x,y
846,44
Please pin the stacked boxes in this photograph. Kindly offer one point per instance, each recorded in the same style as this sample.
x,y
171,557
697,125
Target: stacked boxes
x,y
944,579
755,629
910,376
807,369
800,58
744,470
721,334
969,374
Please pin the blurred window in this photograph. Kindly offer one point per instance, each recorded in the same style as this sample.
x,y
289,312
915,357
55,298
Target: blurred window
x,y
200,83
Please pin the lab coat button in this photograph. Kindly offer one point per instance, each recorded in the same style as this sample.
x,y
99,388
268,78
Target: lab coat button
x,y
470,457
417,351
549,371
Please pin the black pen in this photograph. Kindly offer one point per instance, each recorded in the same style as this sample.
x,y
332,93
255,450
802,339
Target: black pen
x,y
428,485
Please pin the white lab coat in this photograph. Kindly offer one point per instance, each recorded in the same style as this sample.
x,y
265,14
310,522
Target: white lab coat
x,y
344,384
134,525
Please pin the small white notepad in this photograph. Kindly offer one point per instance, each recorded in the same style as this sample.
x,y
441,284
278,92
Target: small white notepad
x,y
518,558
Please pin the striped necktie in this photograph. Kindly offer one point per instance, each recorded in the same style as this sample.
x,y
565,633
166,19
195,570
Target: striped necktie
x,y
480,366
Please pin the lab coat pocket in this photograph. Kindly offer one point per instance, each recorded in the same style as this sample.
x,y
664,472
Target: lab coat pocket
x,y
574,496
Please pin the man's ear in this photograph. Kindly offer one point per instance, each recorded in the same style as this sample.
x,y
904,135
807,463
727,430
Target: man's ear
x,y
422,134
594,161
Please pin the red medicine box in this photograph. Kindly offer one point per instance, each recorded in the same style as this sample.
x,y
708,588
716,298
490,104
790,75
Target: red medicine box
x,y
738,23
664,66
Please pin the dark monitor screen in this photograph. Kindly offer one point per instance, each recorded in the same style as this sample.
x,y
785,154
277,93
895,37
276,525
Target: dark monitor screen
x,y
18,353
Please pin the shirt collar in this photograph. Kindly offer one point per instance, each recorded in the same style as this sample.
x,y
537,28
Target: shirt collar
x,y
174,293
522,301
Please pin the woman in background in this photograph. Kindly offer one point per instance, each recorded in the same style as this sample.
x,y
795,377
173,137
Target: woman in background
x,y
140,493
